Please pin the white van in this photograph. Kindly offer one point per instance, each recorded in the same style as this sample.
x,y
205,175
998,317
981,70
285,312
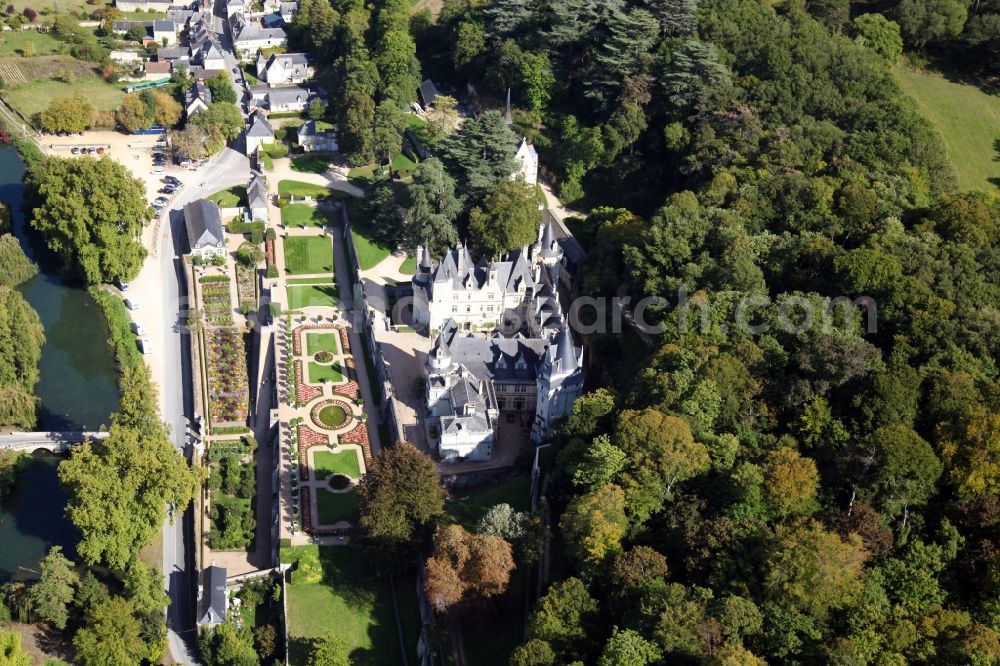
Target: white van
x,y
145,346
131,304
138,328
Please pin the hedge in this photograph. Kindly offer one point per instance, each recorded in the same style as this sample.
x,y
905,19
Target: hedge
x,y
231,430
256,236
271,234
120,326
274,308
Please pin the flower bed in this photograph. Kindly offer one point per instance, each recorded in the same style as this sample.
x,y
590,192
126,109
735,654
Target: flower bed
x,y
216,303
359,436
227,376
345,340
303,392
317,413
350,389
308,437
323,357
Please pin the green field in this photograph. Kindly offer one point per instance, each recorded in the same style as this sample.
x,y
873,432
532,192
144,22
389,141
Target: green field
x,y
370,253
324,373
301,189
342,462
231,198
335,507
409,266
967,118
317,342
308,254
310,163
37,92
15,41
470,506
311,280
316,295
348,600
301,215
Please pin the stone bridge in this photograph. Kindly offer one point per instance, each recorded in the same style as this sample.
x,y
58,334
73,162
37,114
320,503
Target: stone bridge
x,y
55,442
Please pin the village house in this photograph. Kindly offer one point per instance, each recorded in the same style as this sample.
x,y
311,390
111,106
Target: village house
x,y
197,99
249,37
206,236
257,198
259,132
165,32
312,140
213,602
283,68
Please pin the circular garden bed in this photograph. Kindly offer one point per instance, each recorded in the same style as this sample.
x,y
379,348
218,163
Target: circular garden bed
x,y
323,357
332,414
340,481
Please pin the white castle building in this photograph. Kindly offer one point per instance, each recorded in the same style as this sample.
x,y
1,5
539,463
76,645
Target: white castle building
x,y
470,379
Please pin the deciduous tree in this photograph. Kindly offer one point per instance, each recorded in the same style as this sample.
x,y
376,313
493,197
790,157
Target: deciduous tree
x,y
53,593
594,525
507,219
68,114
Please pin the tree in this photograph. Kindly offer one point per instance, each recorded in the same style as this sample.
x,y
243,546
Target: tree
x,y
91,213
137,33
594,525
501,520
21,340
119,488
507,219
357,115
144,588
221,88
662,452
433,208
316,109
133,114
970,451
676,17
53,593
928,21
909,470
166,110
443,116
599,465
812,569
466,567
564,618
792,482
387,131
695,77
637,567
229,646
224,117
533,653
68,114
113,636
481,153
329,650
195,142
834,14
400,493
383,215
11,652
881,35
628,648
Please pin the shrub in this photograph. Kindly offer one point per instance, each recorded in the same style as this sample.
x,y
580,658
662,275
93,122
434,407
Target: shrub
x,y
270,235
256,236
120,325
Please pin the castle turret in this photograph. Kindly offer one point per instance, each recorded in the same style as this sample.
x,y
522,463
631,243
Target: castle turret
x,y
439,358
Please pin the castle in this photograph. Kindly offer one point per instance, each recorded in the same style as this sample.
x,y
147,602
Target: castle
x,y
535,370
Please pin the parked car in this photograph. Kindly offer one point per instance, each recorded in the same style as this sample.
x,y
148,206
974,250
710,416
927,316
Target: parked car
x,y
138,328
100,150
122,286
131,304
75,150
145,346
161,201
172,180
169,189
157,168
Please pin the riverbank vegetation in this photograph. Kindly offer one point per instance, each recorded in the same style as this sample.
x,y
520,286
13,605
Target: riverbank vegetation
x,y
91,213
21,339
122,338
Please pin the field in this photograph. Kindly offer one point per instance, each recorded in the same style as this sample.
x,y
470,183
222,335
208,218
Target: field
x,y
308,254
315,295
409,266
967,118
324,373
35,95
300,215
15,41
310,163
342,462
347,599
299,188
311,280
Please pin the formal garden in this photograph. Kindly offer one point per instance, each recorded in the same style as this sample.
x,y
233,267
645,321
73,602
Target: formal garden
x,y
227,376
312,295
321,373
232,485
216,301
302,216
306,255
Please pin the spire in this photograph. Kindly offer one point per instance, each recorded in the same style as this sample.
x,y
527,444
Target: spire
x,y
439,357
565,351
508,119
549,247
425,256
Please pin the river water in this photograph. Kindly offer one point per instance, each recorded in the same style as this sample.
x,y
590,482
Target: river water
x,y
78,389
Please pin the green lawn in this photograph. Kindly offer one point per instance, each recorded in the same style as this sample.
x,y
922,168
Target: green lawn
x,y
334,507
332,416
967,118
320,373
348,600
300,189
471,506
308,254
311,280
34,96
409,266
231,198
316,295
403,163
310,163
370,253
317,342
341,462
301,215
15,41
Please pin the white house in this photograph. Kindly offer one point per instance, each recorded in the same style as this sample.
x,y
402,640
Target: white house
x,y
312,140
290,99
206,237
249,37
258,133
165,32
212,56
283,68
213,605
527,157
257,198
197,99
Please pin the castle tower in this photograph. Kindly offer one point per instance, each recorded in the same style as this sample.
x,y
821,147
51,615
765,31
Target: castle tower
x,y
559,384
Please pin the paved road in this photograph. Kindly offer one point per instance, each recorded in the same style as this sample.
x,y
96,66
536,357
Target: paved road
x,y
224,170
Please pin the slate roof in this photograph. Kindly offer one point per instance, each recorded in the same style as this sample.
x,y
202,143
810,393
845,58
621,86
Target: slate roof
x,y
161,25
500,359
428,92
260,128
181,16
257,192
214,597
172,53
296,62
289,95
204,224
197,90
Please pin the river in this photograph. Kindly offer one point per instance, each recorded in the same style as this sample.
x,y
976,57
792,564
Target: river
x,y
78,390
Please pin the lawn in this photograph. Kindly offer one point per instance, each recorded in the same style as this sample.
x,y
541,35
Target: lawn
x,y
310,163
324,373
967,118
308,254
370,253
332,416
347,599
300,189
231,198
403,163
317,342
335,507
467,510
409,266
15,41
311,280
306,296
34,96
341,462
301,215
